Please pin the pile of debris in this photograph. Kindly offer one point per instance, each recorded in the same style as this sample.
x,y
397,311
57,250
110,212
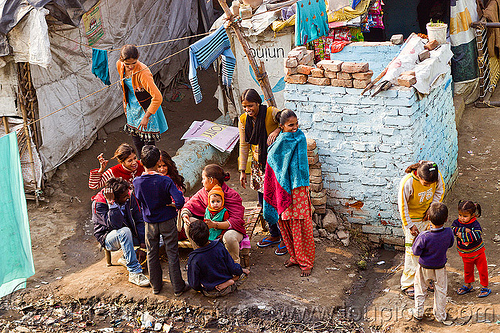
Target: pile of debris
x,y
121,314
299,69
325,222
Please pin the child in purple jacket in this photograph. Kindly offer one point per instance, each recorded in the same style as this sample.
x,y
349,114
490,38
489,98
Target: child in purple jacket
x,y
431,245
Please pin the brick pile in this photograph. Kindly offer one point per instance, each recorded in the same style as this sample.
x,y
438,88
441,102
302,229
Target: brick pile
x,y
318,194
299,69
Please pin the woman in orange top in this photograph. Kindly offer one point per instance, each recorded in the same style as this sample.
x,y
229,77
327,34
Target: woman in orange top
x,y
141,99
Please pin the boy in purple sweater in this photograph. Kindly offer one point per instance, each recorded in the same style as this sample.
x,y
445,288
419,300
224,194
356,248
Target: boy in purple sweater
x,y
431,245
155,192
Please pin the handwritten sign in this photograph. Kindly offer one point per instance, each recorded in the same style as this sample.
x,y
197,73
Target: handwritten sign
x,y
222,137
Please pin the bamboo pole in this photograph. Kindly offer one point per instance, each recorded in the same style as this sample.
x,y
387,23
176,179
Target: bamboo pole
x,y
6,125
260,74
22,105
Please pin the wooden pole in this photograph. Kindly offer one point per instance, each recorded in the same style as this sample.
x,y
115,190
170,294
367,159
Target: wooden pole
x,y
6,125
22,105
260,73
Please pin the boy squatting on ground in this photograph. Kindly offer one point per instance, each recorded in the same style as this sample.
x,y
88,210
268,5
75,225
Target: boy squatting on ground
x,y
118,223
211,269
155,192
431,245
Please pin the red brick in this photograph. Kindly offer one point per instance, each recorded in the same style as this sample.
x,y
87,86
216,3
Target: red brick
x,y
335,83
331,75
317,72
344,76
406,80
361,84
363,76
291,71
330,65
345,83
355,67
297,78
304,69
425,54
431,45
308,58
319,81
291,62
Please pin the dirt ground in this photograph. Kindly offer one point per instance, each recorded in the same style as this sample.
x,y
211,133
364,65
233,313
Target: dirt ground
x,y
70,266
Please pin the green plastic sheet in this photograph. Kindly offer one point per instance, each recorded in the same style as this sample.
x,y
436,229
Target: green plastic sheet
x,y
16,263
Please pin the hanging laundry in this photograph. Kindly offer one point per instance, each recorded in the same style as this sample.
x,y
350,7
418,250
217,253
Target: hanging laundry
x,y
204,52
100,65
311,21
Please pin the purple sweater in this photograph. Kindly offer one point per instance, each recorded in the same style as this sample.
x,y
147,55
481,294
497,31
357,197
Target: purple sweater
x,y
154,193
431,246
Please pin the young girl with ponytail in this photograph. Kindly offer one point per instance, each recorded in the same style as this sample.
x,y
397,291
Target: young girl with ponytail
x,y
422,186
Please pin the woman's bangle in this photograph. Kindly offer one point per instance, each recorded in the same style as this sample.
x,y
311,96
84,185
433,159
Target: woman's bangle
x,y
216,225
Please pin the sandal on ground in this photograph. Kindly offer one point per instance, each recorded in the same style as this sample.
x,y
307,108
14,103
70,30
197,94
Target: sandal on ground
x,y
410,293
280,250
265,242
484,292
219,293
241,279
464,290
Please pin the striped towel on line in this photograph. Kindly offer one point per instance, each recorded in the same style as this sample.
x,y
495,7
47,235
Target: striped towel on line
x,y
204,52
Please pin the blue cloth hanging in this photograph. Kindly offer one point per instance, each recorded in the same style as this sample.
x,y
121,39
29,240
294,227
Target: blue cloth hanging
x,y
204,52
100,66
355,3
311,21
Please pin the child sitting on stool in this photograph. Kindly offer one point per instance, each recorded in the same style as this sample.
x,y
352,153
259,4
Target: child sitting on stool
x,y
211,269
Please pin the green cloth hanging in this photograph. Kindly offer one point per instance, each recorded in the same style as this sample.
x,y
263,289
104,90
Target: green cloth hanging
x,y
16,263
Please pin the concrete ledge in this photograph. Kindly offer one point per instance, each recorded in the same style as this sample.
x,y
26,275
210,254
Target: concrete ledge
x,y
193,156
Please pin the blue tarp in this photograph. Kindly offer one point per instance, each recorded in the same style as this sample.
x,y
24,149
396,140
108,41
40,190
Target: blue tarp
x,y
16,263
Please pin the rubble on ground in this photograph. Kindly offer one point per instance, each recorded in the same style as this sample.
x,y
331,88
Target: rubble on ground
x,y
50,314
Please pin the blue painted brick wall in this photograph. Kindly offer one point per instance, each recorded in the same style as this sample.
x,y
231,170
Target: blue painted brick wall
x,y
365,144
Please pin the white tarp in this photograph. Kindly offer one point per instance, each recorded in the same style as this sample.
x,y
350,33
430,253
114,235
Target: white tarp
x,y
272,49
428,71
68,76
8,79
30,39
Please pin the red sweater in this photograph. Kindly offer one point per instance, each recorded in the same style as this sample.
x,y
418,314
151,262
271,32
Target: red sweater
x,y
97,179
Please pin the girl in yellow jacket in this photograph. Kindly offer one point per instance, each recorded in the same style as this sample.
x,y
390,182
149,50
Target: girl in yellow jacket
x,y
422,186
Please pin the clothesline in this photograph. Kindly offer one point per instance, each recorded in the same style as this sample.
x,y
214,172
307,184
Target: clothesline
x,y
106,87
143,45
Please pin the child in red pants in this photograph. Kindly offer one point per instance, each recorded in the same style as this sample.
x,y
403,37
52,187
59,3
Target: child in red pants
x,y
470,246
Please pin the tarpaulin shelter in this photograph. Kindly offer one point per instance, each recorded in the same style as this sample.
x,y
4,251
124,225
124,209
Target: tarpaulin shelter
x,y
45,55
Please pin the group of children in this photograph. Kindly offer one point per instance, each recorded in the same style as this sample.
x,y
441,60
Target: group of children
x,y
159,187
427,240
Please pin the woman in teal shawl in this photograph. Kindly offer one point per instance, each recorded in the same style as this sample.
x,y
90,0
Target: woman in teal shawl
x,y
286,192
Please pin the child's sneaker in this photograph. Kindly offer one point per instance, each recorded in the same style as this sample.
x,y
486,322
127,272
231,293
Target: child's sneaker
x,y
138,279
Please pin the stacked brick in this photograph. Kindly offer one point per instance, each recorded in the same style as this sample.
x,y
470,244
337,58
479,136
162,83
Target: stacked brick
x,y
347,74
299,69
318,194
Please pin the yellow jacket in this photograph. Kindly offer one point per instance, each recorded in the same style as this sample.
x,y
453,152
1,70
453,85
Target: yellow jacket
x,y
414,199
271,125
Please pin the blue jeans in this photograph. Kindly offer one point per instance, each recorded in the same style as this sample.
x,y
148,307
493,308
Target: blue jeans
x,y
122,238
274,230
